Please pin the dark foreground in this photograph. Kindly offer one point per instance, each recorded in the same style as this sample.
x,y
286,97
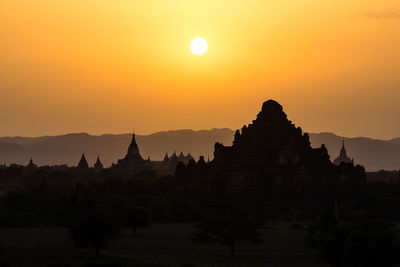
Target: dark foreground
x,y
160,245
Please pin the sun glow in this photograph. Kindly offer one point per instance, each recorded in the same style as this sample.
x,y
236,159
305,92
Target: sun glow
x,y
198,46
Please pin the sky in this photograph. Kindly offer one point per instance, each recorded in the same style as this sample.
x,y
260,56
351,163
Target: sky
x,y
115,66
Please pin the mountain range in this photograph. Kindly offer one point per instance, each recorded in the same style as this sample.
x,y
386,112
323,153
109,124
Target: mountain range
x,y
373,154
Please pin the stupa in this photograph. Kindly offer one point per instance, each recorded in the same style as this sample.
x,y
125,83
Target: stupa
x,y
343,156
31,165
98,166
133,161
83,164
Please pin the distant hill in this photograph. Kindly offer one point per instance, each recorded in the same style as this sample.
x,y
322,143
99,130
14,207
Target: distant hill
x,y
373,154
67,149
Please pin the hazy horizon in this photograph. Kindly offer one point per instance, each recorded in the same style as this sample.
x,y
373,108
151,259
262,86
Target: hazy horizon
x,y
67,149
186,129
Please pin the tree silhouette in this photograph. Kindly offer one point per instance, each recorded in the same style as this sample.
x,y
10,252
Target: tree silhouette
x,y
360,244
95,229
135,217
228,231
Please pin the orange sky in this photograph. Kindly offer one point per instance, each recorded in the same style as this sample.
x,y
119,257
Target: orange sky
x,y
102,66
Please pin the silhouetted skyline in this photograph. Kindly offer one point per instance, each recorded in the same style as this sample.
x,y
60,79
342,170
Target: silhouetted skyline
x,y
185,133
374,154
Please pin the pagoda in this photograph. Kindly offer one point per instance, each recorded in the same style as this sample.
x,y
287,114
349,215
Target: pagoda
x,y
98,166
83,164
343,157
133,161
31,165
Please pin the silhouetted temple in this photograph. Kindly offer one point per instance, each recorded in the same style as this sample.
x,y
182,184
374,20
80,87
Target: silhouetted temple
x,y
168,164
133,161
274,152
343,157
31,165
83,164
98,166
174,159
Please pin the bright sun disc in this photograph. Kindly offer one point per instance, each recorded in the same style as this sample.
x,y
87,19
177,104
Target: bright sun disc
x,y
198,46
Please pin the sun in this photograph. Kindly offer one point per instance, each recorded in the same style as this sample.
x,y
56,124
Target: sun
x,y
198,46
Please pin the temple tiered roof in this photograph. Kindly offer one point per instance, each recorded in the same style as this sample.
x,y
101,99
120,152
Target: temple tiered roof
x,y
133,161
343,156
273,149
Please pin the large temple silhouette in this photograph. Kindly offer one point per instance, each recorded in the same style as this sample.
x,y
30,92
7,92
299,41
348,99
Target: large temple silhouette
x,y
272,152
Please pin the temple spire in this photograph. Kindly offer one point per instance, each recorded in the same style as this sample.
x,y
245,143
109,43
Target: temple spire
x,y
343,152
98,165
133,150
133,161
83,164
343,156
166,158
31,164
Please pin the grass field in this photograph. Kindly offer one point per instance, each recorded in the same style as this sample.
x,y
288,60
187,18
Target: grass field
x,y
161,244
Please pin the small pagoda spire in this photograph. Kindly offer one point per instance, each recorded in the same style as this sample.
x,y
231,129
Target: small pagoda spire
x,y
83,164
98,165
174,157
31,164
343,152
166,158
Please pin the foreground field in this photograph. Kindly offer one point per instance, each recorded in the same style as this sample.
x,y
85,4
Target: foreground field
x,y
162,244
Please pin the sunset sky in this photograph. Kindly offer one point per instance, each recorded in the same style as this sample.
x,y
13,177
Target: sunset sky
x,y
111,66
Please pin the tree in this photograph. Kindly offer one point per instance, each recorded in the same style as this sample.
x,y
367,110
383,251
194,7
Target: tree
x,y
135,217
360,244
228,231
95,229
373,244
